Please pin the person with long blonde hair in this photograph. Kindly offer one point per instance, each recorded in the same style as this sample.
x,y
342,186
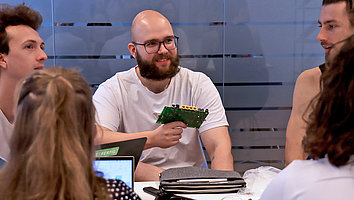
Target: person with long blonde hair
x,y
52,146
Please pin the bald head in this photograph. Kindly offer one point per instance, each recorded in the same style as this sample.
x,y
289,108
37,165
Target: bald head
x,y
149,22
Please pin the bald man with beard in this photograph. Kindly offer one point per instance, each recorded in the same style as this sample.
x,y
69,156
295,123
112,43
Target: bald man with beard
x,y
128,104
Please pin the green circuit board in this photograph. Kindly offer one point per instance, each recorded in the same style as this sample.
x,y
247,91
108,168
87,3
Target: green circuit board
x,y
190,115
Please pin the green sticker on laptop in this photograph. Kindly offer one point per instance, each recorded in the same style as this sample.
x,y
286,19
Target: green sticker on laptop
x,y
107,152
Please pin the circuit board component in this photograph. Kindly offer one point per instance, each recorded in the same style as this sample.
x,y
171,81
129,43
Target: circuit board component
x,y
190,115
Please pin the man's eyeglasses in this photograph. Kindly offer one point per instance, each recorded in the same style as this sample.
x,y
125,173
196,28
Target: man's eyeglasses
x,y
153,46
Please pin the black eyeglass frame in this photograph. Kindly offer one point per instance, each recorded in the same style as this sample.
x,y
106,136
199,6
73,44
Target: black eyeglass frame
x,y
158,49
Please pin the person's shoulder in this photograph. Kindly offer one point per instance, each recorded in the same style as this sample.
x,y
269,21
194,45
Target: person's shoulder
x,y
307,86
297,169
318,168
126,75
308,83
190,74
310,76
297,164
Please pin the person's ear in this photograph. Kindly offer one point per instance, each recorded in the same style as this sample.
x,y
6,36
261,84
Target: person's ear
x,y
132,49
3,61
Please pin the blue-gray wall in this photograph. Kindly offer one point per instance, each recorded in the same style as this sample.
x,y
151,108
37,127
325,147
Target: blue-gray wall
x,y
253,51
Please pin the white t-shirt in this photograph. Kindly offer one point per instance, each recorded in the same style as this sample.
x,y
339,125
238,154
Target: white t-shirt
x,y
123,104
312,179
5,134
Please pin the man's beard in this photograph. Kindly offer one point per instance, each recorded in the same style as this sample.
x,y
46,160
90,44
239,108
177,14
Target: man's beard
x,y
149,70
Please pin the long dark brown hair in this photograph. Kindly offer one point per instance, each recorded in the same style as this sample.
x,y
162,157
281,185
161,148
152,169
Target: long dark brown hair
x,y
330,127
52,146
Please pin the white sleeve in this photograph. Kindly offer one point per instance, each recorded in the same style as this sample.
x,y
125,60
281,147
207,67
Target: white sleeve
x,y
208,97
106,102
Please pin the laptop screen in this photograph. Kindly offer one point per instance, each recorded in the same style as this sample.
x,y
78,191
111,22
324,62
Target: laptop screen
x,y
116,167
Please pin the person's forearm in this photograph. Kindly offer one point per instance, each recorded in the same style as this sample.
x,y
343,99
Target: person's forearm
x,y
147,172
164,136
217,142
294,151
104,135
294,134
222,161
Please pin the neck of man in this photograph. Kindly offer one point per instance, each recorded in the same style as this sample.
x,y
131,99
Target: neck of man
x,y
155,86
8,88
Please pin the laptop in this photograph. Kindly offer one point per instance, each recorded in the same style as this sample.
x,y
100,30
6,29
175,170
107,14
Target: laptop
x,y
132,147
116,167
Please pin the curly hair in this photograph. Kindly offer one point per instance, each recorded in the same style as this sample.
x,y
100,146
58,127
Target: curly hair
x,y
52,145
13,16
330,128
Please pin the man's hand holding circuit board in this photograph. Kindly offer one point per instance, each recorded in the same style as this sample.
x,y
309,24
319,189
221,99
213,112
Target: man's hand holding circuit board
x,y
189,115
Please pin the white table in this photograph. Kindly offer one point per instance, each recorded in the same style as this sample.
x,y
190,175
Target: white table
x,y
138,188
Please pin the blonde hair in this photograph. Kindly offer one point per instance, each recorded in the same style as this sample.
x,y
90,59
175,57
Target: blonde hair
x,y
52,147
